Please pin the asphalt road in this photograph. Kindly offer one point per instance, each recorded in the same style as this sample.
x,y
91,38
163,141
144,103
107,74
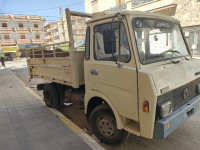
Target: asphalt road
x,y
186,137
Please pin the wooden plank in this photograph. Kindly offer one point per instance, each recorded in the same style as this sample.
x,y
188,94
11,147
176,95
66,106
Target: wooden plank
x,y
73,13
75,77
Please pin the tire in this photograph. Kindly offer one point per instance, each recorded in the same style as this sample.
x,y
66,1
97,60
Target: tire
x,y
61,94
103,125
50,95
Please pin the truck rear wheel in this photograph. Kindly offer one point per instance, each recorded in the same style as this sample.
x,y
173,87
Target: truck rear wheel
x,y
61,94
50,95
103,125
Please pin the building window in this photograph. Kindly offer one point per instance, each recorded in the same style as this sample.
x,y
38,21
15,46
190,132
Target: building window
x,y
136,3
35,25
119,2
21,25
23,36
4,25
37,36
6,37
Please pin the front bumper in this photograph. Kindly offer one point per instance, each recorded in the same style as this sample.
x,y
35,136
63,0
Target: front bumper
x,y
167,125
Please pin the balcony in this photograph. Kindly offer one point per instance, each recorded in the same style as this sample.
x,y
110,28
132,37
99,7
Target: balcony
x,y
20,18
23,41
36,30
79,26
54,27
56,34
118,8
5,18
48,30
168,7
35,18
8,42
47,37
136,3
5,30
38,41
22,30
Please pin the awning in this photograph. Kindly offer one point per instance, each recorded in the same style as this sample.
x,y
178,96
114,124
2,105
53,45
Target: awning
x,y
11,49
168,9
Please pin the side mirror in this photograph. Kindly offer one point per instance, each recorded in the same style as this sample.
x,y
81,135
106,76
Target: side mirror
x,y
109,41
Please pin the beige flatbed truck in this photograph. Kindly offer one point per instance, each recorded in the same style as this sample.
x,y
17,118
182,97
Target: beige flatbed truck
x,y
135,75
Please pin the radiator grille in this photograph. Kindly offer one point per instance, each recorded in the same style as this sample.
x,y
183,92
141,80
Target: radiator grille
x,y
181,95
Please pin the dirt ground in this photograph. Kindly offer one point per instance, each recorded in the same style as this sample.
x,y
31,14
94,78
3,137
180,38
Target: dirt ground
x,y
186,137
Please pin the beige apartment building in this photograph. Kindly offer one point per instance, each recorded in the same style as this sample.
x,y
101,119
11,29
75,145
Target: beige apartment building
x,y
19,31
57,32
186,11
54,32
78,27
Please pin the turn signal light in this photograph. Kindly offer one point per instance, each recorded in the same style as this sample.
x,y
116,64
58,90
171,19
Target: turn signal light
x,y
146,106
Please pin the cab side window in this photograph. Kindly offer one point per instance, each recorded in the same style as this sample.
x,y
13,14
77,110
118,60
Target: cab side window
x,y
111,44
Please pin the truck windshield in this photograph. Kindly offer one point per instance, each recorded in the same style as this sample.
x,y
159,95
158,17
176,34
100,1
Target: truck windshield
x,y
158,40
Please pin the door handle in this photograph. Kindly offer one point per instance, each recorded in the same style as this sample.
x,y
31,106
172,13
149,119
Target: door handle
x,y
94,72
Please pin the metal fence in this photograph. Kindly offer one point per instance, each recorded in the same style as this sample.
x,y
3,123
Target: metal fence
x,y
136,3
118,8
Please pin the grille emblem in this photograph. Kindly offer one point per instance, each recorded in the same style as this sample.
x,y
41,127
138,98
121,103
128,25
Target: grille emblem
x,y
185,93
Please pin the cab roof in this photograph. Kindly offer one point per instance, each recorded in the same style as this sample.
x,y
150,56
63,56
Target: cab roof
x,y
107,14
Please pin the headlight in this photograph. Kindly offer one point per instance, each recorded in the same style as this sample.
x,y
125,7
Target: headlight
x,y
166,109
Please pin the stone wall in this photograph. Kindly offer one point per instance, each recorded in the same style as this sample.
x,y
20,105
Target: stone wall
x,y
188,12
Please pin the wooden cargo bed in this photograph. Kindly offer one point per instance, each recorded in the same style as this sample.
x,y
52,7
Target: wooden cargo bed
x,y
57,66
52,63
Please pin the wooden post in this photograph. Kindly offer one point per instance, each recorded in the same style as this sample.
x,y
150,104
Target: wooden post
x,y
43,53
33,53
54,54
74,74
70,31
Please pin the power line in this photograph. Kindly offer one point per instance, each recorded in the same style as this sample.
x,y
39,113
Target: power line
x,y
49,8
3,5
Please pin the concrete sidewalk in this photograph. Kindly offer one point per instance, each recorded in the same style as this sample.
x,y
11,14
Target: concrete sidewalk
x,y
26,124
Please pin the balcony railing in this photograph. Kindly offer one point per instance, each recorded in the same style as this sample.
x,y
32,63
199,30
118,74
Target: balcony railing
x,y
38,41
6,30
20,17
37,30
22,30
136,3
4,17
8,42
35,17
47,37
118,8
23,41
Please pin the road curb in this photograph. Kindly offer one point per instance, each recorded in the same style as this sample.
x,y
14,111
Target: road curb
x,y
82,134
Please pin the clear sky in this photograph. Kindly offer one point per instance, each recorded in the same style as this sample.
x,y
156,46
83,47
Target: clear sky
x,y
45,8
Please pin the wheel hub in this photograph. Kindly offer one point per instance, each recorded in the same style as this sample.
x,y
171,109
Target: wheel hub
x,y
106,127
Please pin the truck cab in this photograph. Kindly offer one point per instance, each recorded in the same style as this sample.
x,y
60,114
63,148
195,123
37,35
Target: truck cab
x,y
138,64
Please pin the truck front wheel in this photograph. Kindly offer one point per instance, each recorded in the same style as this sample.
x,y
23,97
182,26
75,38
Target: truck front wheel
x,y
50,95
103,125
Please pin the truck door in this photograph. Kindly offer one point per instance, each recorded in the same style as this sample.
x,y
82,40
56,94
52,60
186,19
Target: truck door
x,y
112,69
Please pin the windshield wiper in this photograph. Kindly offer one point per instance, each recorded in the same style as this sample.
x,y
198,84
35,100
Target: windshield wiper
x,y
175,51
